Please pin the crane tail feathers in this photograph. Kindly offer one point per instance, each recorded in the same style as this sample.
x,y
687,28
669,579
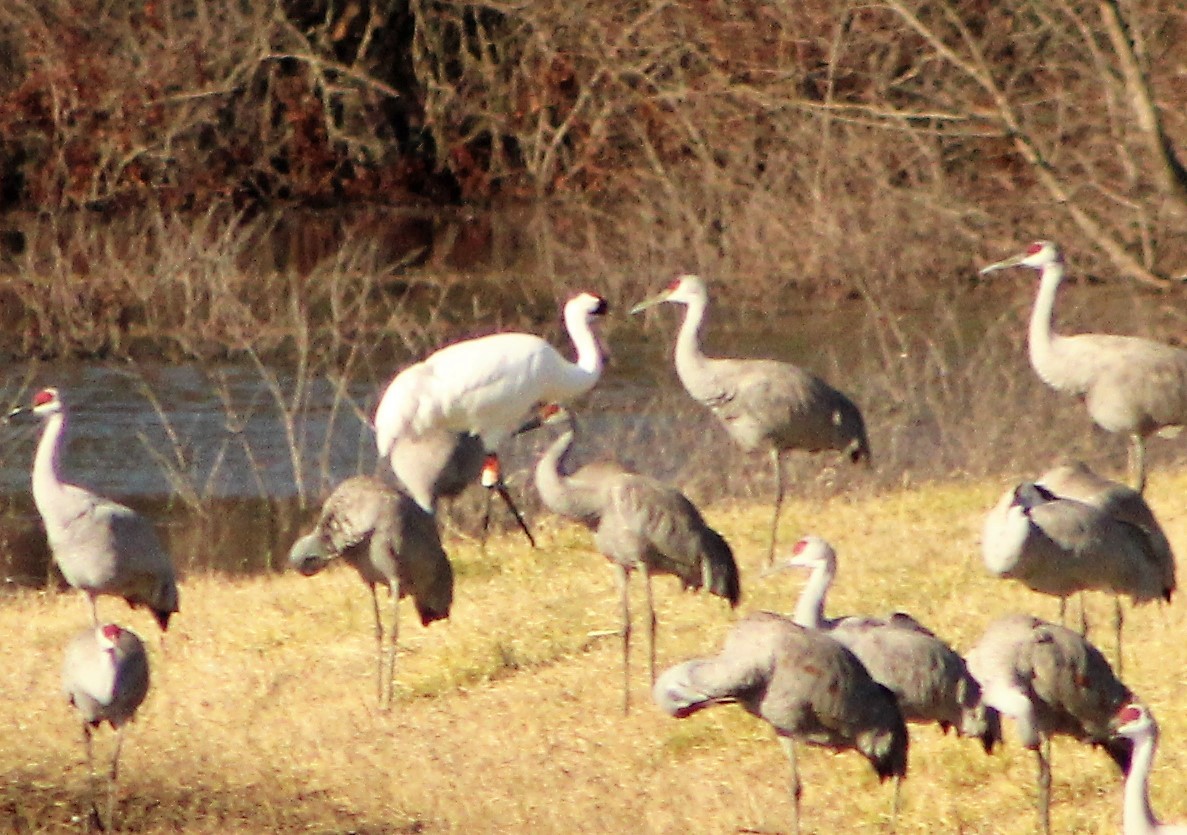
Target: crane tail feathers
x,y
720,568
162,616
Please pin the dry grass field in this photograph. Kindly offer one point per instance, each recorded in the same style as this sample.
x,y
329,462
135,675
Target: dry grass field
x,y
262,716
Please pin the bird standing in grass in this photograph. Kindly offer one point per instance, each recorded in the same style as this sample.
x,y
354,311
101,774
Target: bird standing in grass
x,y
806,685
639,524
105,677
390,540
763,404
101,547
489,386
1050,681
1131,386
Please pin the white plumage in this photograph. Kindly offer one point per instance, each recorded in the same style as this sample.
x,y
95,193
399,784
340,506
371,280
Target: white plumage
x,y
488,386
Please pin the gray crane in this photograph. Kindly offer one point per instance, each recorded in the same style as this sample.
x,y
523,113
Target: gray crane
x,y
440,464
101,547
1051,681
1135,722
105,677
639,523
389,540
1131,386
763,404
928,677
805,684
1060,545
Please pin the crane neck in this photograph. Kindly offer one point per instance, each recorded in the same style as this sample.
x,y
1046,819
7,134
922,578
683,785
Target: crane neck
x,y
1040,336
809,608
553,467
46,477
689,357
1137,818
590,357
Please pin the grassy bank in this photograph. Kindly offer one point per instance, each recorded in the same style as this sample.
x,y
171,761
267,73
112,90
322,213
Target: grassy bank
x,y
262,715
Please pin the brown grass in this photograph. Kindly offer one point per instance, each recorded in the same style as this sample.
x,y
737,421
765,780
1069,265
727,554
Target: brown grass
x,y
263,717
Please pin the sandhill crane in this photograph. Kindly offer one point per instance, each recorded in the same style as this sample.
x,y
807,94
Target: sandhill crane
x,y
390,540
102,547
489,386
1060,546
1130,385
806,685
440,464
928,677
1135,722
105,677
763,404
638,523
1050,681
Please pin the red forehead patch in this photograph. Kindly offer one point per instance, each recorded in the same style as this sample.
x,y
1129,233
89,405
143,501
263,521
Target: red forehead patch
x,y
800,546
1129,713
111,631
1035,248
44,396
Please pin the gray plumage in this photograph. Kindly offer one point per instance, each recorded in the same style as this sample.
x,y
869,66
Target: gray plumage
x,y
440,464
101,547
805,684
1059,545
927,676
1051,682
105,677
390,541
763,404
640,524
1131,386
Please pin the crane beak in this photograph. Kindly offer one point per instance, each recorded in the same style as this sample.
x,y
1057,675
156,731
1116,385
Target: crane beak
x,y
19,411
1013,261
651,302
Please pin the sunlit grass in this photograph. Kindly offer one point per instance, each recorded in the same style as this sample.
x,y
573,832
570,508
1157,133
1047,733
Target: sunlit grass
x,y
262,716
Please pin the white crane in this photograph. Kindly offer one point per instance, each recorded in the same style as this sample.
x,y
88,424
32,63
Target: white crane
x,y
1131,386
1059,546
1135,722
440,464
928,677
1050,681
489,386
102,547
639,523
105,677
806,685
763,404
390,540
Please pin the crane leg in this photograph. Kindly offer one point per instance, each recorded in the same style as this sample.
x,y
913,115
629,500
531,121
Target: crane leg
x,y
1118,622
94,819
501,489
894,804
1083,615
623,579
113,781
652,624
797,790
1137,463
378,645
387,687
777,464
94,610
1043,756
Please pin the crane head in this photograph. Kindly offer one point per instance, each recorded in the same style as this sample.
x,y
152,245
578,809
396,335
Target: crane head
x,y
1039,255
45,402
810,552
684,289
1133,719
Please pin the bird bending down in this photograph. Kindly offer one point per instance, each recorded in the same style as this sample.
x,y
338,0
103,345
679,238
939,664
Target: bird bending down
x,y
101,547
1135,722
928,678
1131,386
489,386
639,523
1060,545
390,540
1050,681
763,404
806,685
440,464
105,677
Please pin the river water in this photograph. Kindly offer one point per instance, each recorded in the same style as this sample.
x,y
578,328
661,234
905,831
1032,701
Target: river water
x,y
233,459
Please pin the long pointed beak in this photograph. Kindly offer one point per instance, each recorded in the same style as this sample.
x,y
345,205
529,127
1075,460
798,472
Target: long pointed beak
x,y
1013,261
18,412
530,424
659,298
